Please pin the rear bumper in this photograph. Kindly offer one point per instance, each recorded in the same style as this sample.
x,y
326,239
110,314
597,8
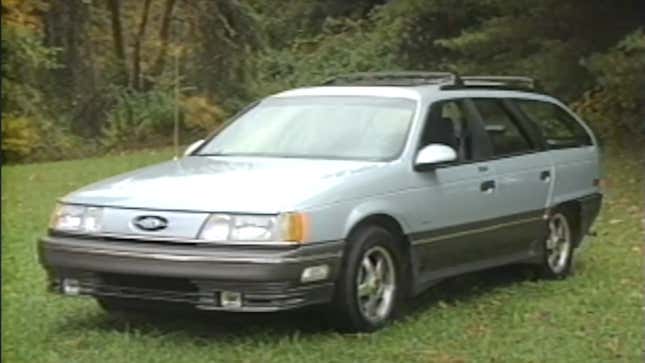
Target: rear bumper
x,y
589,209
269,279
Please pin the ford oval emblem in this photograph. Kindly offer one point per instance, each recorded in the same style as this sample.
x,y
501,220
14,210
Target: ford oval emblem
x,y
150,223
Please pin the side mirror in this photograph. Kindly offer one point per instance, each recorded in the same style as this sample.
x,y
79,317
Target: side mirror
x,y
189,150
432,155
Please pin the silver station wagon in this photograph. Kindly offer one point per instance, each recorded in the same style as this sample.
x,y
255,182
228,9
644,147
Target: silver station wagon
x,y
357,193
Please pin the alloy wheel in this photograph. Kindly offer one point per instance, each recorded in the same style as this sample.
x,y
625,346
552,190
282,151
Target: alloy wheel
x,y
376,284
558,243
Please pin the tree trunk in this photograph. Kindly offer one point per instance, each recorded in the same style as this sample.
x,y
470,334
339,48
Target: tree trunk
x,y
117,37
136,51
164,37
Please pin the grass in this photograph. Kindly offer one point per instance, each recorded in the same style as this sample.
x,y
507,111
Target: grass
x,y
500,315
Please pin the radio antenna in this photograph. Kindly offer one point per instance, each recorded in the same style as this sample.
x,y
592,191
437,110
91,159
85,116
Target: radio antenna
x,y
176,116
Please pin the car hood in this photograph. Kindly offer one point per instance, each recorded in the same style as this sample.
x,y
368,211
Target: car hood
x,y
223,184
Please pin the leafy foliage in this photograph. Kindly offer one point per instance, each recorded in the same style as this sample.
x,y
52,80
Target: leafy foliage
x,y
200,113
25,59
616,105
139,117
340,48
105,70
545,39
19,137
147,118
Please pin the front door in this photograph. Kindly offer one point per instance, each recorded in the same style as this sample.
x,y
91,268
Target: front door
x,y
451,201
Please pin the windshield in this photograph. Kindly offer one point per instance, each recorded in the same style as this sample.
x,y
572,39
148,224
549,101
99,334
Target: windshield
x,y
362,128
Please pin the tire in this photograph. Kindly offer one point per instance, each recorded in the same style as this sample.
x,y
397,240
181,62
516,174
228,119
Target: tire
x,y
558,246
369,288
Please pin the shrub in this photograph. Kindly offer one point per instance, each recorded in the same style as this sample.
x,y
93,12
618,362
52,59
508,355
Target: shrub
x,y
146,119
139,118
20,136
201,114
616,105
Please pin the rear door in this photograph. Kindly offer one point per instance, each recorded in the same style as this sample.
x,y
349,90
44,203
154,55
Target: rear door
x,y
524,179
570,146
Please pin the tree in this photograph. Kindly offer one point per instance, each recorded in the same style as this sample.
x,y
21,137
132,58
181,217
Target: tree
x,y
85,66
24,59
164,39
136,80
545,39
616,104
117,37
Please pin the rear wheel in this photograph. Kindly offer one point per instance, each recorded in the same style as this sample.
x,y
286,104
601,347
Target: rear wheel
x,y
368,289
558,246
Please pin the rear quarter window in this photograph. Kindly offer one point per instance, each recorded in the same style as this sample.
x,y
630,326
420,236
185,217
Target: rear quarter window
x,y
557,127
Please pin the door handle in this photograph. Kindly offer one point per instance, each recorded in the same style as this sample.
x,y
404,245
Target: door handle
x,y
487,186
545,176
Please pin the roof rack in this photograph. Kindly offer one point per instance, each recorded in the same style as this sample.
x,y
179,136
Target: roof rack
x,y
393,79
500,81
446,80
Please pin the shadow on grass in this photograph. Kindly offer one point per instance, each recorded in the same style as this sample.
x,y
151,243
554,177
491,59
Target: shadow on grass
x,y
226,326
467,287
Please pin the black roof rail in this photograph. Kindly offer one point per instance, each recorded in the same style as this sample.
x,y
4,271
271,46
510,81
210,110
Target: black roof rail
x,y
446,80
500,82
411,78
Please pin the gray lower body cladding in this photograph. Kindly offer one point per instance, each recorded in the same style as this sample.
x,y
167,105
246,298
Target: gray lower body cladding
x,y
268,278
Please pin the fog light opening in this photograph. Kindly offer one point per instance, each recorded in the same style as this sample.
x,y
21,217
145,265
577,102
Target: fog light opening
x,y
230,299
71,287
315,273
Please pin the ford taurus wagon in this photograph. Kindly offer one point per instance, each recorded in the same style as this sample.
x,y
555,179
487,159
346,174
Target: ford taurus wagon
x,y
357,194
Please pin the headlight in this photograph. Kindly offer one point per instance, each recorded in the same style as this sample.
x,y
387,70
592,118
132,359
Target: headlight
x,y
291,227
76,218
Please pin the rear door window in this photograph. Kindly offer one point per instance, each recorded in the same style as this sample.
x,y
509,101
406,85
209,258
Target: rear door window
x,y
558,128
506,136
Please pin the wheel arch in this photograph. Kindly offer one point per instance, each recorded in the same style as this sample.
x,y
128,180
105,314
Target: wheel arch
x,y
394,226
379,219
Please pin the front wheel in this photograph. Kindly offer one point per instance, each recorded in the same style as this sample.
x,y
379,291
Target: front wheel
x,y
558,246
368,289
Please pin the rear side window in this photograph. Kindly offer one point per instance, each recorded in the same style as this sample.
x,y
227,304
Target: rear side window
x,y
505,135
557,127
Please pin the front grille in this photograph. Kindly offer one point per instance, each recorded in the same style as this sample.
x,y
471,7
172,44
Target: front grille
x,y
147,282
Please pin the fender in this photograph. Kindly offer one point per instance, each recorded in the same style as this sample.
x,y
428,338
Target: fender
x,y
374,207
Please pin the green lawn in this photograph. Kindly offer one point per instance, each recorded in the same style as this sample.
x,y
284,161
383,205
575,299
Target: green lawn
x,y
501,315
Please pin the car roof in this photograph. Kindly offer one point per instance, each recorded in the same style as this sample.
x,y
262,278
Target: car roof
x,y
369,91
417,93
422,85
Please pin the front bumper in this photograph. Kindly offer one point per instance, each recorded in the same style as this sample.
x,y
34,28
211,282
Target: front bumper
x,y
268,278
